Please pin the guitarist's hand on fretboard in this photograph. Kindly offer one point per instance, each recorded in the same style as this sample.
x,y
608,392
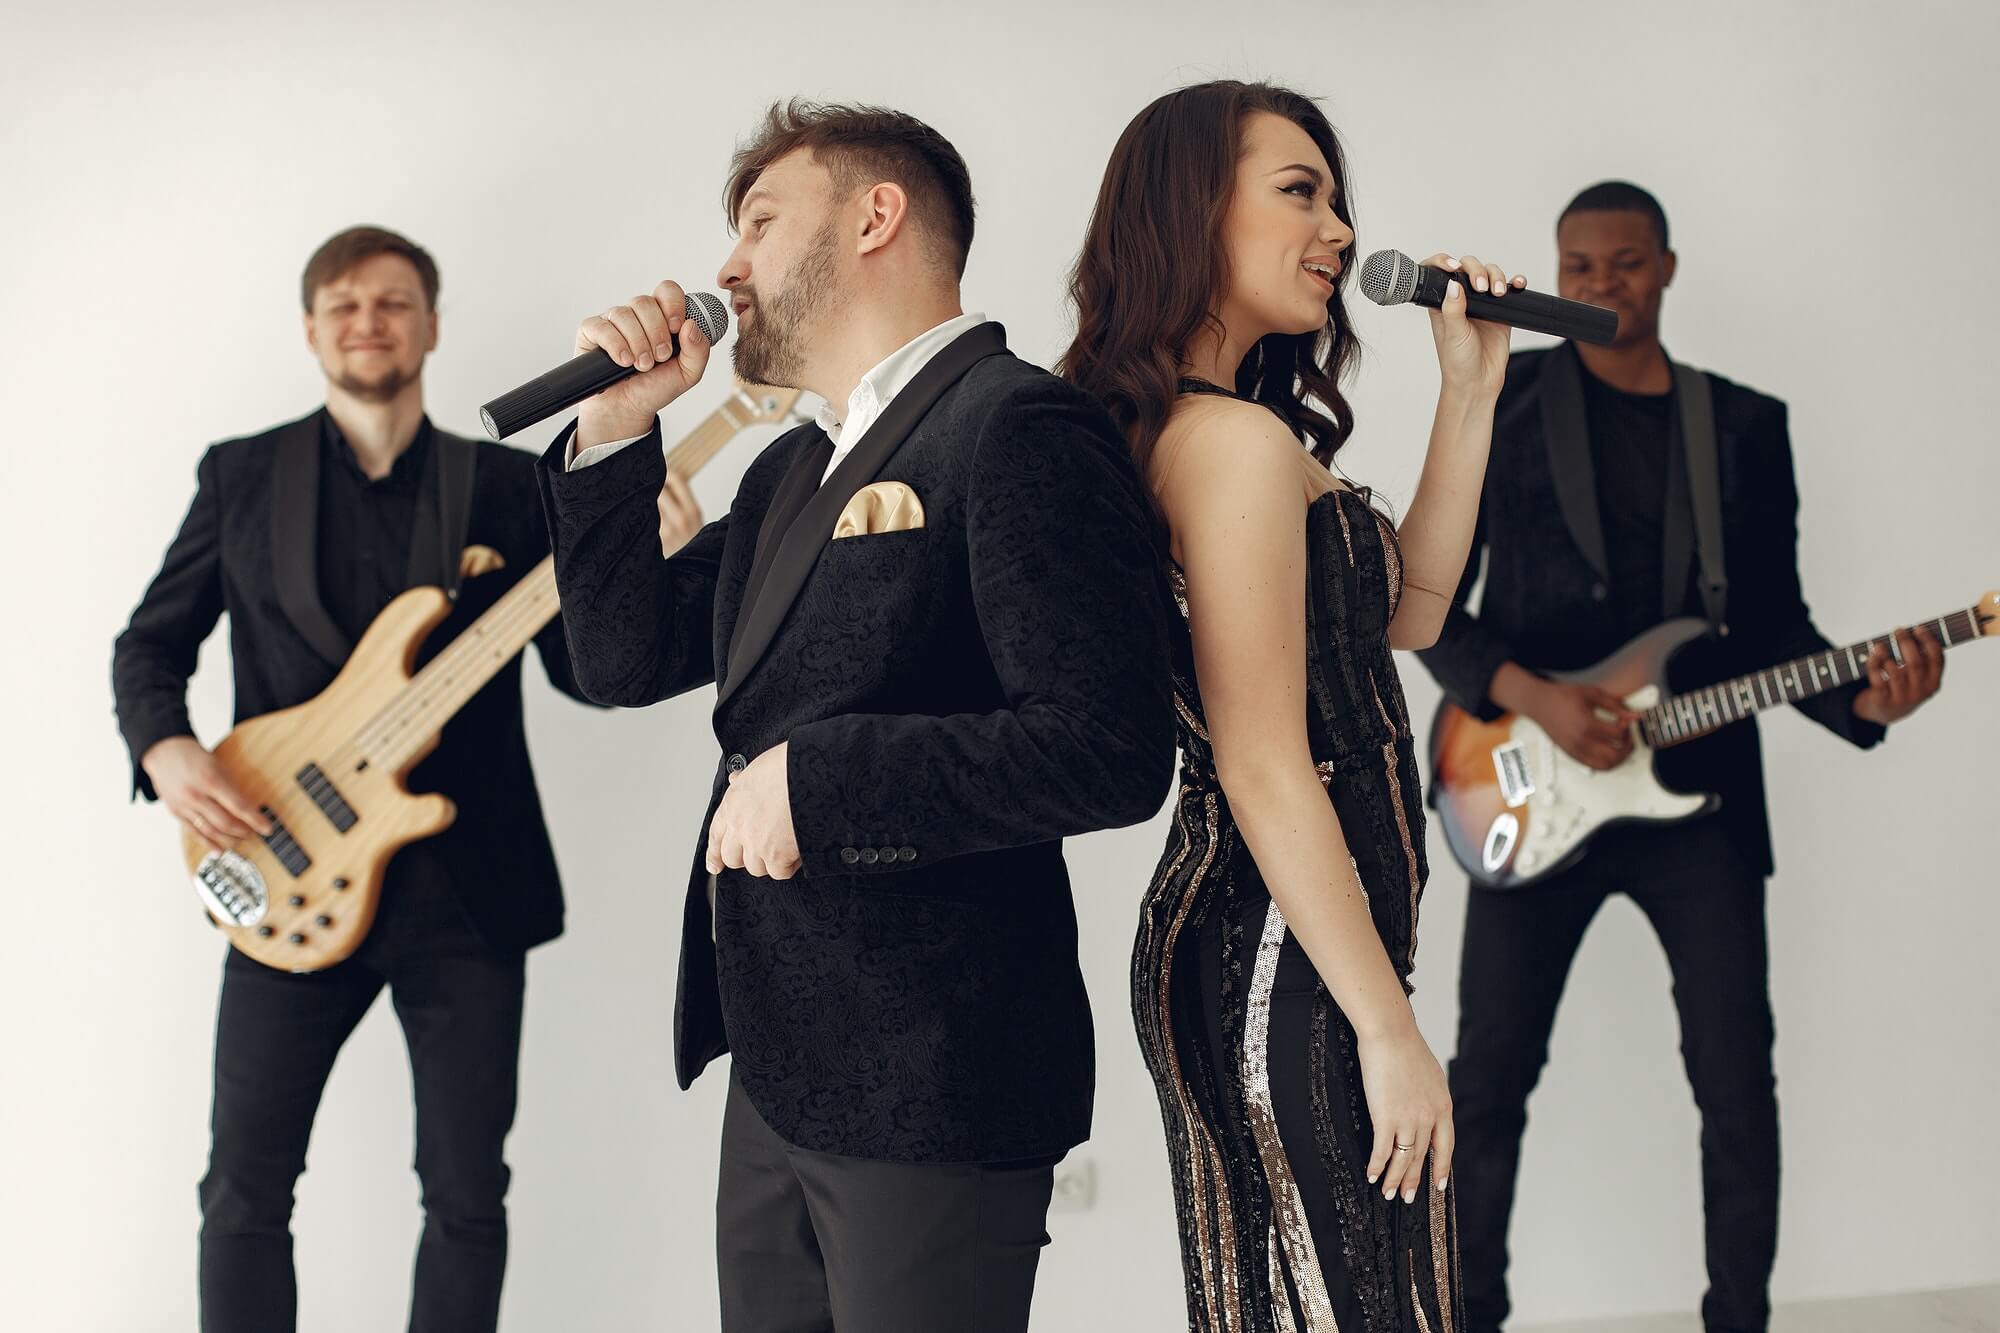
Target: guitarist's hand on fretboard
x,y
1898,689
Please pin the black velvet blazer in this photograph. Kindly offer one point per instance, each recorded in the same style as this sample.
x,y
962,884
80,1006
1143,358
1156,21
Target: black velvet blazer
x,y
958,697
1546,603
248,546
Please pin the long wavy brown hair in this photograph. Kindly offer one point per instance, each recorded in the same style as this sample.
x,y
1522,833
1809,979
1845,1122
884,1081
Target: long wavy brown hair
x,y
1153,271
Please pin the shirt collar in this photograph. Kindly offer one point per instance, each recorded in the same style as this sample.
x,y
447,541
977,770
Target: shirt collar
x,y
880,385
403,473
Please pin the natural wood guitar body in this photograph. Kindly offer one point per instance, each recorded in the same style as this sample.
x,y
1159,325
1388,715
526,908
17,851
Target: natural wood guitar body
x,y
316,917
330,774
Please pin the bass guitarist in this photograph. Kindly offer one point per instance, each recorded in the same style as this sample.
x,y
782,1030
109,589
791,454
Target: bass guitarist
x,y
1590,537
302,534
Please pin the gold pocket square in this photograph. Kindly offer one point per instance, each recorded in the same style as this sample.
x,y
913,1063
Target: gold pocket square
x,y
477,560
885,506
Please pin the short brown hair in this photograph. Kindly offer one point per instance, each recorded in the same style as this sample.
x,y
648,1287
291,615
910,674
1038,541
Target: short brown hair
x,y
859,144
343,251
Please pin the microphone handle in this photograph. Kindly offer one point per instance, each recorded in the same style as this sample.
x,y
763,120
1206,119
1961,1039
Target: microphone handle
x,y
1537,312
583,376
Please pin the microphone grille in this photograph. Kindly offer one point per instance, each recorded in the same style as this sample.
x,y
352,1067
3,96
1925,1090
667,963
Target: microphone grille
x,y
704,309
1389,277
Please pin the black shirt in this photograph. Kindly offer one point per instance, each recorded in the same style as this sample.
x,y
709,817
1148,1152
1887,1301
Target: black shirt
x,y
1630,450
365,528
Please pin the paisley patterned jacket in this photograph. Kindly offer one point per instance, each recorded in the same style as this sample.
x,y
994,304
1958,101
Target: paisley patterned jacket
x,y
958,697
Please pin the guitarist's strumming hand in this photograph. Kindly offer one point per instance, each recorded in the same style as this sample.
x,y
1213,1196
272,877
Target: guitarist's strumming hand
x,y
1592,725
1896,690
752,829
640,335
193,786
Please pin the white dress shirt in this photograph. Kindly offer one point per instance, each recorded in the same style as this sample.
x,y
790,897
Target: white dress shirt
x,y
871,397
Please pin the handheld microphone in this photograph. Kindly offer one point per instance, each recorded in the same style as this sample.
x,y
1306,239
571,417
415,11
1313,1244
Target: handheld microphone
x,y
585,375
1390,277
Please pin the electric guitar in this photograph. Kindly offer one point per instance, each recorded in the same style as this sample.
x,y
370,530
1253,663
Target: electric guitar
x,y
1516,807
329,775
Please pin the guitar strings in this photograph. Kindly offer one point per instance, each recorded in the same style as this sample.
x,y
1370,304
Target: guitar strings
x,y
414,714
1953,629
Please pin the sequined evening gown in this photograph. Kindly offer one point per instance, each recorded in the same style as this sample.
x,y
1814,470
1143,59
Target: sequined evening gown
x,y
1268,1131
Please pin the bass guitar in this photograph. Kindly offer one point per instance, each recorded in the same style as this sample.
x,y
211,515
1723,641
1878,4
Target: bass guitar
x,y
329,775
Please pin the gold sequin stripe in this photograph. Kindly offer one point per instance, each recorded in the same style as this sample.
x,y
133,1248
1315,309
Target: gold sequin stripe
x,y
1402,819
1207,1163
1392,557
1281,1300
1158,1039
1457,1268
1416,1301
1287,1207
1188,716
1442,1273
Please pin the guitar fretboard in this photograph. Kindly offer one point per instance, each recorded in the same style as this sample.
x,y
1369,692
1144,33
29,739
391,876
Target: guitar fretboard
x,y
1698,712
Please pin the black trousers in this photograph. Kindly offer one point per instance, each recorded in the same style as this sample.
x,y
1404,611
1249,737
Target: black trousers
x,y
276,1038
1707,907
808,1242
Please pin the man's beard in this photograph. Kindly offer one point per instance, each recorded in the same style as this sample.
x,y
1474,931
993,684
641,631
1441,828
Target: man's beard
x,y
382,389
770,350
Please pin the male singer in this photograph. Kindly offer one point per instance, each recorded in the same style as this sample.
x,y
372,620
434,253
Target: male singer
x,y
935,621
1590,539
302,534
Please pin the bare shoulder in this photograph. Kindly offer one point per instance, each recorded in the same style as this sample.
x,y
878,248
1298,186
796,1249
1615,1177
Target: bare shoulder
x,y
1221,450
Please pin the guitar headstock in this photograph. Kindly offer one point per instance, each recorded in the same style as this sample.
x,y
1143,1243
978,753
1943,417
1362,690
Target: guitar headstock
x,y
1986,614
765,404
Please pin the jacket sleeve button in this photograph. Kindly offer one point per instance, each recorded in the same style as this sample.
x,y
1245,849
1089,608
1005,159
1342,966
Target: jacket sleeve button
x,y
848,856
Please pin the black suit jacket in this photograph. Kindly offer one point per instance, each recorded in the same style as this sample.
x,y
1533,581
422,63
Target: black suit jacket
x,y
248,547
1546,603
957,698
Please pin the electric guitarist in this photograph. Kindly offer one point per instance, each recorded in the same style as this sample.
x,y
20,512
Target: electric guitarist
x,y
1592,526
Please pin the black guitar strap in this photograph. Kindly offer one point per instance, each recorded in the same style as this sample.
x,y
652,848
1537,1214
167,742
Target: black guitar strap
x,y
444,513
1704,473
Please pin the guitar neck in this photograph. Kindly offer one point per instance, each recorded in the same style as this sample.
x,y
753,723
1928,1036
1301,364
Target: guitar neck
x,y
1695,713
449,681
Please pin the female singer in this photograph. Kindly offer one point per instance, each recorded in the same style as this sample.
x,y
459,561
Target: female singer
x,y
1308,1123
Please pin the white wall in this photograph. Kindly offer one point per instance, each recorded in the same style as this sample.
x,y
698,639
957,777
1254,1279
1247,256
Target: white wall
x,y
167,169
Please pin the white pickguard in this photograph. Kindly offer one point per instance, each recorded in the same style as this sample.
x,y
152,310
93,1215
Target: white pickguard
x,y
1570,801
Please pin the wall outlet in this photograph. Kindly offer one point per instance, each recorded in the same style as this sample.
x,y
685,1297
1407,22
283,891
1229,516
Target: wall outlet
x,y
1076,1186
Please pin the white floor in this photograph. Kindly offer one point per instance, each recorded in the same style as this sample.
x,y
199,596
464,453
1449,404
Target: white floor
x,y
1965,1310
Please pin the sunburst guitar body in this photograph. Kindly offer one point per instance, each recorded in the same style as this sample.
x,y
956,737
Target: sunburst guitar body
x,y
1516,808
